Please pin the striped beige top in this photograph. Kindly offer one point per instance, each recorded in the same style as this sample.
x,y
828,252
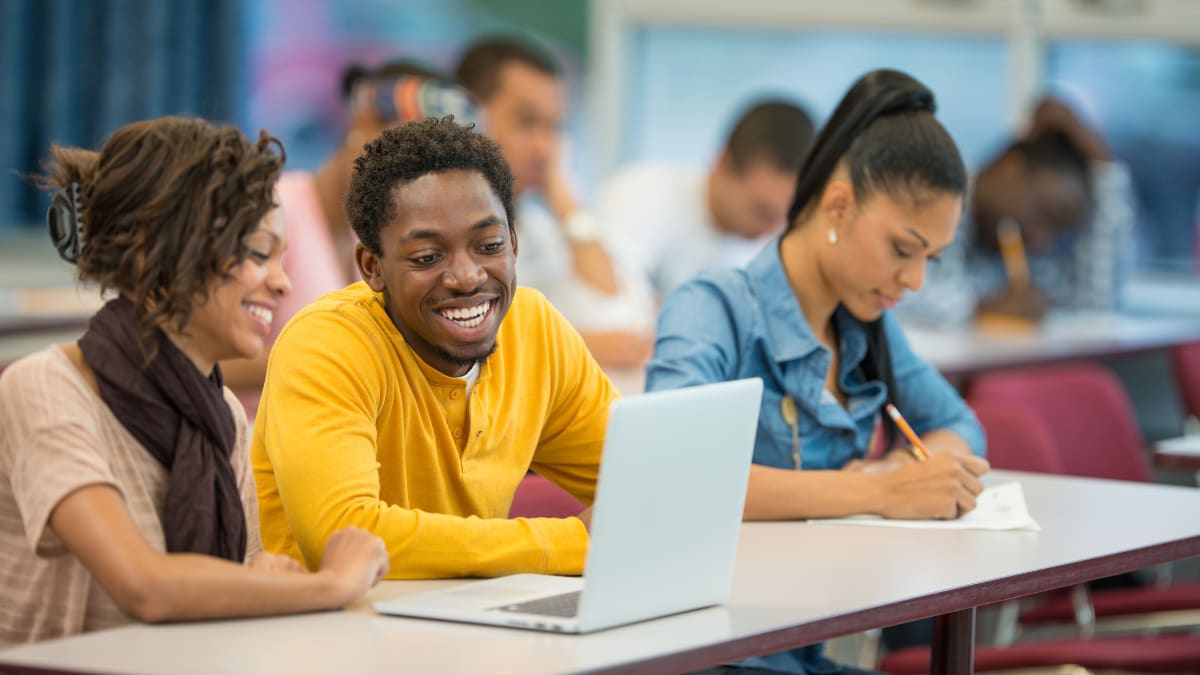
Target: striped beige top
x,y
56,436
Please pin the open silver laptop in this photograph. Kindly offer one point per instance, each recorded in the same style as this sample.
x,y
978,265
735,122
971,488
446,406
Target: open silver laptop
x,y
664,530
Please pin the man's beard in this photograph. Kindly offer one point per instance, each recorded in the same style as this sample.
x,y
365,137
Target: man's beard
x,y
463,361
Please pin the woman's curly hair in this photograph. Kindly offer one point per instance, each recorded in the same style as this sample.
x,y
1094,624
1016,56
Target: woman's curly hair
x,y
409,151
165,205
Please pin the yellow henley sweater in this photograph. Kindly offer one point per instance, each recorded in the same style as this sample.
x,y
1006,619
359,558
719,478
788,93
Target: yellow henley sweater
x,y
355,429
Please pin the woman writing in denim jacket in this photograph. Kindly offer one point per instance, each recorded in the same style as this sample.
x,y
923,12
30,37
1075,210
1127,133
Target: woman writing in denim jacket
x,y
880,193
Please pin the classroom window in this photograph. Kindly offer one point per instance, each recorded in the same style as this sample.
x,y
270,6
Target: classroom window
x,y
685,85
1145,99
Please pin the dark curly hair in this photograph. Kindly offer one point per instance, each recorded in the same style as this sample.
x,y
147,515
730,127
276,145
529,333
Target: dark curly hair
x,y
409,151
165,206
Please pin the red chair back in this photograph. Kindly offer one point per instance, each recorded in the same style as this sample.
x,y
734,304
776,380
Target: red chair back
x,y
1017,437
1139,654
1086,411
1186,359
537,497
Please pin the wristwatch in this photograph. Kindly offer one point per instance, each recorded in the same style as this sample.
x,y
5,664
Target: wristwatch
x,y
581,228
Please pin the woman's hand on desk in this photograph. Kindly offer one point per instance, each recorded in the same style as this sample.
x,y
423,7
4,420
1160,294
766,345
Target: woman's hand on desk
x,y
895,459
356,559
273,562
151,585
943,487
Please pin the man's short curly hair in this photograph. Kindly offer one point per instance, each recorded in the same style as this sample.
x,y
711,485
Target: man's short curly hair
x,y
409,151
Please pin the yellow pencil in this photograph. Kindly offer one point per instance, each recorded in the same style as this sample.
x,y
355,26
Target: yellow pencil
x,y
918,448
1012,252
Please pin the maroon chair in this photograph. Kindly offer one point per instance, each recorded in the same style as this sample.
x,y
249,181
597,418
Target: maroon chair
x,y
537,497
1086,411
1163,654
1092,424
1017,438
1186,360
1167,606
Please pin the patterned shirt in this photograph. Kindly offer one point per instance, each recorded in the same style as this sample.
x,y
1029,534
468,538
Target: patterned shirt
x,y
1086,272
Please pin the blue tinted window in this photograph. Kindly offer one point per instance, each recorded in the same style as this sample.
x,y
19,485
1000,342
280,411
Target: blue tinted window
x,y
686,85
1145,99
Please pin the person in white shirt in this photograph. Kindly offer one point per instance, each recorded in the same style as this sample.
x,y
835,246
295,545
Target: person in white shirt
x,y
522,102
669,223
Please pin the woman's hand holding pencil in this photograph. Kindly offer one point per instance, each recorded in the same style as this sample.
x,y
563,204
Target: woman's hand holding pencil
x,y
941,486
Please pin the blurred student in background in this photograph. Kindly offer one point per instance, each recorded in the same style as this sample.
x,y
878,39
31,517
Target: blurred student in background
x,y
125,488
670,223
523,104
880,192
1074,208
320,258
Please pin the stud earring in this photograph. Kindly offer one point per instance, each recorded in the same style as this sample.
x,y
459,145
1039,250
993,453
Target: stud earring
x,y
832,236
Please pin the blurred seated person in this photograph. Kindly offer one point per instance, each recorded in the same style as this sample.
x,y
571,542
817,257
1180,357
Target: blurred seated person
x,y
520,91
1073,209
672,222
320,257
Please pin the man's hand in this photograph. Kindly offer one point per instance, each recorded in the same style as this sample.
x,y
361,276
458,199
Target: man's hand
x,y
619,349
586,517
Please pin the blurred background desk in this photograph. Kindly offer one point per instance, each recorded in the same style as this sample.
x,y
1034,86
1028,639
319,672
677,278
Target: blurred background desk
x,y
1160,313
32,318
782,598
1061,337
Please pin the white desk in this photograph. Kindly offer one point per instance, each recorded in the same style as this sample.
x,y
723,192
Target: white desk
x,y
1060,337
1181,454
795,584
1163,294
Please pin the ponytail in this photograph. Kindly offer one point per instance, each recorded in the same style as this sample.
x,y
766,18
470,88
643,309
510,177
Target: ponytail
x,y
885,132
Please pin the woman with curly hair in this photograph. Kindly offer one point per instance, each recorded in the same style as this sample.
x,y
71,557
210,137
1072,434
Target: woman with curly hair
x,y
126,491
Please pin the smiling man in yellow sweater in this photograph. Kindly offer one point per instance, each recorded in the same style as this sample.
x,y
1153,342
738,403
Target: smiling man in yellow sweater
x,y
411,404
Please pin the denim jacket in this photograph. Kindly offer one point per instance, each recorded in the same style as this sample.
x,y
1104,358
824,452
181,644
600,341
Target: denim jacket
x,y
730,324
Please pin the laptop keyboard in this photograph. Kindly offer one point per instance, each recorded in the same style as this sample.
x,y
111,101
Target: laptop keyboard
x,y
565,605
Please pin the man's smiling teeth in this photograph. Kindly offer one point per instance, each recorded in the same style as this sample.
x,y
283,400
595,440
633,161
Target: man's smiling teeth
x,y
262,313
467,317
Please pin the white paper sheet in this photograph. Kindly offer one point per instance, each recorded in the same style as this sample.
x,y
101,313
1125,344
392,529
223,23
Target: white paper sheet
x,y
1001,507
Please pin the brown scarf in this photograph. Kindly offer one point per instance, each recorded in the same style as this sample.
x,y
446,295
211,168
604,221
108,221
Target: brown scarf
x,y
182,419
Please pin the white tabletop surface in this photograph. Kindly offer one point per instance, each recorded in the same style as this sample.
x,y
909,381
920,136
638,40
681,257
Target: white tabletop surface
x,y
794,583
1061,336
1187,446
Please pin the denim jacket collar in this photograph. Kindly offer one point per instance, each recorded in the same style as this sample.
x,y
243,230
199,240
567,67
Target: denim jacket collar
x,y
789,335
790,338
